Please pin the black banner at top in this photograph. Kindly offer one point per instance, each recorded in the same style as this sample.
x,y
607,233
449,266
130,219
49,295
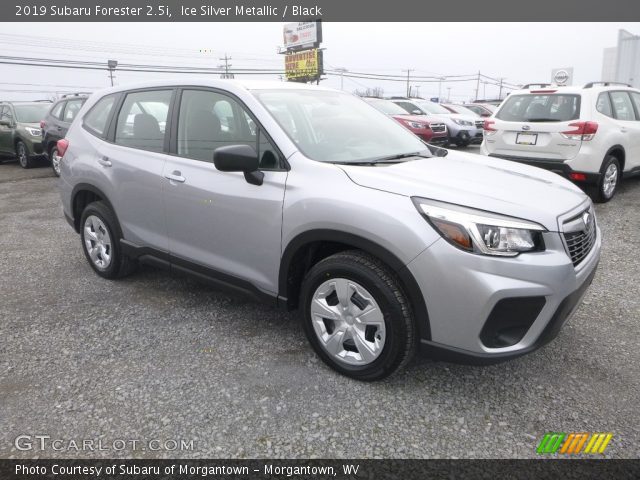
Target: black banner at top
x,y
327,10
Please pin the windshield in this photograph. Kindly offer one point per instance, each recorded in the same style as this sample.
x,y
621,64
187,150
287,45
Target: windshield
x,y
540,108
32,113
385,106
432,107
464,110
337,127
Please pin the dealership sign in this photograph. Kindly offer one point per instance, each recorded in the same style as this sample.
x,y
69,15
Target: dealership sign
x,y
303,66
301,35
562,76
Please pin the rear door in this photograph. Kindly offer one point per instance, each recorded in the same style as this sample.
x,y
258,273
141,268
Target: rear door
x,y
134,161
531,125
70,111
217,219
626,110
5,131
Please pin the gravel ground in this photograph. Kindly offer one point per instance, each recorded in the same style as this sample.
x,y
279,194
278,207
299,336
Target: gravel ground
x,y
156,357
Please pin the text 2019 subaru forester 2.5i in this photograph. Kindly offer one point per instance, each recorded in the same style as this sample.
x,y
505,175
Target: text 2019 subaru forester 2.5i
x,y
589,134
308,197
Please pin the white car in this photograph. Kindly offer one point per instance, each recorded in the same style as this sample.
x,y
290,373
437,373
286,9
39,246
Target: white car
x,y
589,134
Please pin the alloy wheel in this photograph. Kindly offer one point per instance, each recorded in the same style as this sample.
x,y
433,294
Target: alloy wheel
x,y
97,242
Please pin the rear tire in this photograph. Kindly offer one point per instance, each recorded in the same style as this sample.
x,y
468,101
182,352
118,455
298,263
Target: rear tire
x,y
372,333
100,236
611,175
54,158
22,152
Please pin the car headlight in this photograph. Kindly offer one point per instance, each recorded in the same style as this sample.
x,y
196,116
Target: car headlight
x,y
36,132
415,124
481,232
464,123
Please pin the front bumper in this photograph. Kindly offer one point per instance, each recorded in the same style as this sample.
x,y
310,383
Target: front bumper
x,y
462,289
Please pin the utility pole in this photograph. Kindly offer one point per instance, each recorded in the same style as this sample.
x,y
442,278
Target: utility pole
x,y
418,91
226,67
408,70
440,87
478,85
342,71
448,94
111,65
500,94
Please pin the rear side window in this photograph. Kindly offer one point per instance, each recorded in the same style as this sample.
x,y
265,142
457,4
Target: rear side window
x,y
142,120
635,96
622,107
603,105
73,107
56,112
540,108
96,120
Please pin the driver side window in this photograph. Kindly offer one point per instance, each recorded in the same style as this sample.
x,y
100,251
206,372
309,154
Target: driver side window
x,y
209,120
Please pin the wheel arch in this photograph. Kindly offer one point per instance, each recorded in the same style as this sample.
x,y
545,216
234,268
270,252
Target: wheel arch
x,y
82,195
308,248
618,152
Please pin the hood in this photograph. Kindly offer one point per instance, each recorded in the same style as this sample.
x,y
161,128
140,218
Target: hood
x,y
415,118
476,181
449,118
30,124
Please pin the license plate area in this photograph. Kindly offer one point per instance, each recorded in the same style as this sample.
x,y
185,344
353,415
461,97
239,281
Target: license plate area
x,y
526,138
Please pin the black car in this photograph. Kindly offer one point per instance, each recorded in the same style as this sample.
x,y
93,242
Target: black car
x,y
56,124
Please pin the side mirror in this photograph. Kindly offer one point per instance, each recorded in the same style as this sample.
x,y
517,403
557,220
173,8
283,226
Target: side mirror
x,y
239,158
416,112
5,123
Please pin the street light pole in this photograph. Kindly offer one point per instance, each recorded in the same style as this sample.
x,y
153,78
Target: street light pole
x,y
408,70
342,71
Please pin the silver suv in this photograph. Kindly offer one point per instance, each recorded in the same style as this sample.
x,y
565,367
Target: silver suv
x,y
309,198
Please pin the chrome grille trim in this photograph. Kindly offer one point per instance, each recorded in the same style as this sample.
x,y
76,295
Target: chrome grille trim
x,y
580,237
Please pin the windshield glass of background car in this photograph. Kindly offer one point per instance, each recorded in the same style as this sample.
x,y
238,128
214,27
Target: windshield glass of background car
x,y
337,127
434,108
540,108
465,111
386,106
31,113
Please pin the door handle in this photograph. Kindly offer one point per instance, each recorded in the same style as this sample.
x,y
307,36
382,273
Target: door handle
x,y
105,162
623,130
175,176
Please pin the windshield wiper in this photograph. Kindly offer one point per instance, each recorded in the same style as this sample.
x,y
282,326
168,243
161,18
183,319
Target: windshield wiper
x,y
399,156
542,120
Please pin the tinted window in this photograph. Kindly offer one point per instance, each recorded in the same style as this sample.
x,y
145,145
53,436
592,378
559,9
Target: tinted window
x,y
636,100
385,106
540,108
409,107
142,120
603,105
96,119
57,110
73,107
622,107
209,120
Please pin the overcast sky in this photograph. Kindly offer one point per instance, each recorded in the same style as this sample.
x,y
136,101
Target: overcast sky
x,y
519,52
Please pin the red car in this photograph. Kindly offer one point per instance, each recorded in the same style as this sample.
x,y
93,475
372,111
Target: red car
x,y
430,131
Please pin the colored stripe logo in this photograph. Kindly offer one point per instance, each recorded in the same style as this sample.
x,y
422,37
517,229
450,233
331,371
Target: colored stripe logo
x,y
574,443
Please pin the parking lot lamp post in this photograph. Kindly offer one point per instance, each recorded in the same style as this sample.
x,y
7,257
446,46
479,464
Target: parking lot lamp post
x,y
111,65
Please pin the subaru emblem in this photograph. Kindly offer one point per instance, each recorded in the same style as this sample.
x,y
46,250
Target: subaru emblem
x,y
526,127
586,218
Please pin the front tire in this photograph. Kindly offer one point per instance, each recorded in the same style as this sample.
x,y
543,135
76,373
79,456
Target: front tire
x,y
609,180
357,317
100,235
22,152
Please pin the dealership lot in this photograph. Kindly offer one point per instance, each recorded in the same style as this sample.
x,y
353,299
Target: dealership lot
x,y
169,359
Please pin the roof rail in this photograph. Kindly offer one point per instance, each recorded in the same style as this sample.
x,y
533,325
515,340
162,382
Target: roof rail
x,y
44,101
605,84
529,85
77,94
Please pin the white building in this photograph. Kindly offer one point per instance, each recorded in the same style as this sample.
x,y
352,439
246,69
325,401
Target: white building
x,y
622,63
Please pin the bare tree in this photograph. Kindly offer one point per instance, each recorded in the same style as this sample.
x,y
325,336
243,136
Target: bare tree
x,y
370,92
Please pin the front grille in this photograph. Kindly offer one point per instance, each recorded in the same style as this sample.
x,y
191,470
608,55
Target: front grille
x,y
479,123
580,235
438,127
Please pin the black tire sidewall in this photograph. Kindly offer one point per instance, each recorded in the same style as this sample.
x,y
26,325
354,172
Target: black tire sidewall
x,y
20,144
386,300
52,152
103,212
609,159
